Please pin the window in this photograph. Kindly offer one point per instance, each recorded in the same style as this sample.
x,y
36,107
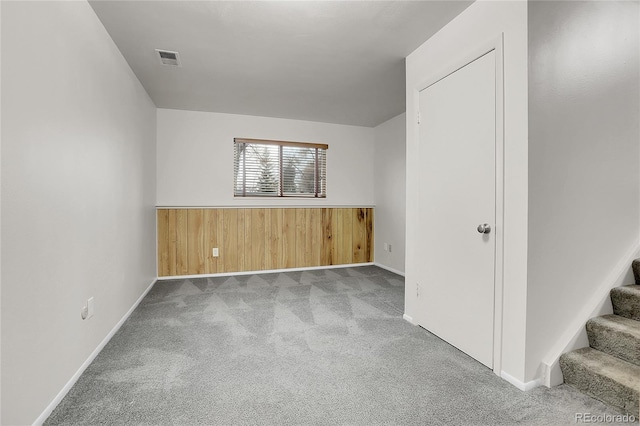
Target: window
x,y
265,168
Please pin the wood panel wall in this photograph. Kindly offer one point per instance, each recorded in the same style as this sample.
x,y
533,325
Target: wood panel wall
x,y
257,239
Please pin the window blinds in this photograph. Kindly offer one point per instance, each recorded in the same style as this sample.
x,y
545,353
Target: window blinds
x,y
267,168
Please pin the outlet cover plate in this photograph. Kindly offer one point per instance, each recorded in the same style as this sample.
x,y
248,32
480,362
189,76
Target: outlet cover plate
x,y
90,307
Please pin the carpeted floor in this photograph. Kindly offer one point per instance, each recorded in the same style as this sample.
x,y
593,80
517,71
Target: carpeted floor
x,y
315,347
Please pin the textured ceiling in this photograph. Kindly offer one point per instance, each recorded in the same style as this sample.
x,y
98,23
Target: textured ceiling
x,y
329,61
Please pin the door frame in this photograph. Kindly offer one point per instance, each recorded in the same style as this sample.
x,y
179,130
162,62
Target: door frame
x,y
495,44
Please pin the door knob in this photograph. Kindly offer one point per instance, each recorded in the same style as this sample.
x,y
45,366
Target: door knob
x,y
484,228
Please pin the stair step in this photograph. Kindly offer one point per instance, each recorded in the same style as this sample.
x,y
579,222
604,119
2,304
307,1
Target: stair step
x,y
626,301
604,377
617,336
635,265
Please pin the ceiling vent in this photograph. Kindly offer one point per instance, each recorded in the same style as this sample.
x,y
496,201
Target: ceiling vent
x,y
168,57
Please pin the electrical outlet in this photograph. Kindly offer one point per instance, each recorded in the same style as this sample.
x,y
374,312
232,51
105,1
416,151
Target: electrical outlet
x,y
215,252
386,247
88,309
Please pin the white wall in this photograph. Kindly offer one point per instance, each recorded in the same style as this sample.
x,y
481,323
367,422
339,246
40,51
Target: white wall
x,y
195,158
78,182
390,193
0,212
584,178
480,23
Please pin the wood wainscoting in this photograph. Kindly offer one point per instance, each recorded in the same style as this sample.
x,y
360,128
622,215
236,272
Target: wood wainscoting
x,y
255,239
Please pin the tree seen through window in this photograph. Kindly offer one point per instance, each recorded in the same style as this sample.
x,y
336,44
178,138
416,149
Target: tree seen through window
x,y
279,169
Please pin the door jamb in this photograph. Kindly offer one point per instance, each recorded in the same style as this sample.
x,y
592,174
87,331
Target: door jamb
x,y
496,44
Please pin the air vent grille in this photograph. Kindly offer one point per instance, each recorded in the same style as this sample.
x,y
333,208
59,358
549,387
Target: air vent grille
x,y
167,57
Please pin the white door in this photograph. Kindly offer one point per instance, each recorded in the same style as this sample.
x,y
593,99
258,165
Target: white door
x,y
457,194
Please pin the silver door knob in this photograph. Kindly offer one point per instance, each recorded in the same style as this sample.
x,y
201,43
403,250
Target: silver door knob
x,y
484,228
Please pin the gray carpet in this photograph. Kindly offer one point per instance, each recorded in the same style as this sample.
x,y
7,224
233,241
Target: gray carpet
x,y
316,347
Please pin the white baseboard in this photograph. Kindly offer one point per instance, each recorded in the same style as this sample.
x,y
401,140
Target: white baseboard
x,y
574,335
408,319
519,384
54,403
395,271
266,271
552,374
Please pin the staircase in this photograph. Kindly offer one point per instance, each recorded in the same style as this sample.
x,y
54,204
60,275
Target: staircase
x,y
609,369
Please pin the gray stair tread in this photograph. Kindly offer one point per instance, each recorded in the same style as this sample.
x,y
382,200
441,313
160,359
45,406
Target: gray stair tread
x,y
626,301
632,289
615,335
604,377
618,324
600,363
